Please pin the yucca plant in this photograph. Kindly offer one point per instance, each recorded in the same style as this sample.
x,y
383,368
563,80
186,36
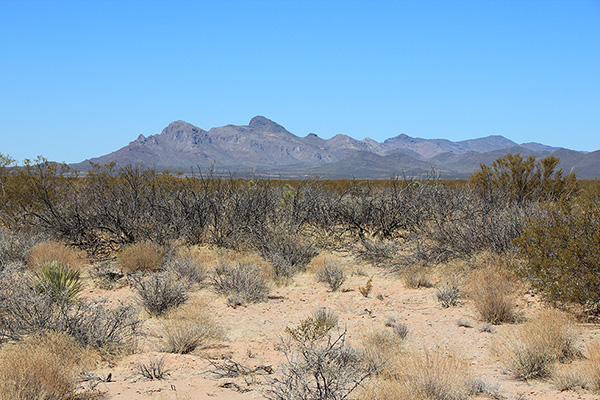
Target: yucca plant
x,y
59,281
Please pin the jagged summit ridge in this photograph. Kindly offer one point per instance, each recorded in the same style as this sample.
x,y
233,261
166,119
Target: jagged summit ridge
x,y
265,146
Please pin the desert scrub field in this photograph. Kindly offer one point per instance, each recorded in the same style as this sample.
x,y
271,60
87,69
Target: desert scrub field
x,y
141,284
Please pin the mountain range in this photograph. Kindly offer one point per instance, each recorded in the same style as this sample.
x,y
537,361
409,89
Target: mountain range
x,y
267,149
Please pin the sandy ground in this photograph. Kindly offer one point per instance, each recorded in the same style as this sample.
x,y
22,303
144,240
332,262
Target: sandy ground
x,y
253,334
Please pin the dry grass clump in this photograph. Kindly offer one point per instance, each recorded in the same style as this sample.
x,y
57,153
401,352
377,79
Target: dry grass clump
x,y
142,256
47,252
416,276
245,281
591,367
530,350
428,375
332,274
42,366
492,291
584,375
189,328
383,350
448,294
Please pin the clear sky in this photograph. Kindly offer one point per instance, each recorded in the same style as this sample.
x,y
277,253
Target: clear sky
x,y
83,78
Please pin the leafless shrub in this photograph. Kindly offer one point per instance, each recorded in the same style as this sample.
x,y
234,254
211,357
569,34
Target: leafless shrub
x,y
26,310
448,294
326,368
106,276
153,369
378,251
47,252
486,328
161,292
331,274
288,254
243,280
530,350
15,246
94,324
195,272
143,257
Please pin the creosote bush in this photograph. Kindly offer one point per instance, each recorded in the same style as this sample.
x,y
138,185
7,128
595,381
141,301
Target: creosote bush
x,y
242,280
142,256
561,248
520,180
530,350
46,252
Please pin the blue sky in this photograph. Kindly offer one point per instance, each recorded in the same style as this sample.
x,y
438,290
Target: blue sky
x,y
83,78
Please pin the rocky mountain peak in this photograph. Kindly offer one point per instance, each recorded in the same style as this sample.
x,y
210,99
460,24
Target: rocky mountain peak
x,y
263,124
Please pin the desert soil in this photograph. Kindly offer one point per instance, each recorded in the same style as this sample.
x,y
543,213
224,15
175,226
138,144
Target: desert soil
x,y
253,333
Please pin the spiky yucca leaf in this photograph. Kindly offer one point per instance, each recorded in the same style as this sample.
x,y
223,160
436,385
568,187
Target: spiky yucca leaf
x,y
59,281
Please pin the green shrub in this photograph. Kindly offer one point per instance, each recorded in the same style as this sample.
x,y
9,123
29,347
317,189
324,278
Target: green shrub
x,y
562,250
519,180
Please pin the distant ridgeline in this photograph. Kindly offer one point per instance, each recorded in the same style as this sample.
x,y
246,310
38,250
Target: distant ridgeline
x,y
267,149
